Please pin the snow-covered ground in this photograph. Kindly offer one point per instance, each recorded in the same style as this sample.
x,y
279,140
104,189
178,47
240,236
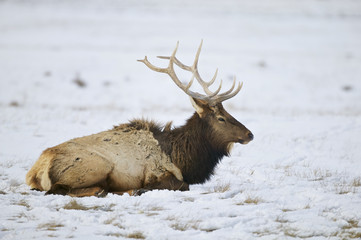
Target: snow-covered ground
x,y
300,62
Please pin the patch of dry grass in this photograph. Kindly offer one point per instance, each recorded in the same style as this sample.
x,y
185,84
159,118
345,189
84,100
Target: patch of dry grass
x,y
222,187
151,210
75,205
115,222
179,225
251,200
50,226
136,235
350,231
117,235
188,199
281,219
356,182
287,210
193,224
345,187
306,172
318,174
23,203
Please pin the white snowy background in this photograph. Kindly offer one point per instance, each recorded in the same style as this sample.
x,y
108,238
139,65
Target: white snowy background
x,y
68,69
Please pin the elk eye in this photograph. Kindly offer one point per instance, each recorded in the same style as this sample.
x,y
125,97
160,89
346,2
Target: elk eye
x,y
221,119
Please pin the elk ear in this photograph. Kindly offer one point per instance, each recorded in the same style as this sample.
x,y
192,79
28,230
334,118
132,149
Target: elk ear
x,y
199,106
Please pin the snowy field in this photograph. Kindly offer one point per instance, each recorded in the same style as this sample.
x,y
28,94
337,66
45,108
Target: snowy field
x,y
69,69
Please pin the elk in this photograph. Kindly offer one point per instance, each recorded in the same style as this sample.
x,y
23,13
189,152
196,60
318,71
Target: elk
x,y
141,155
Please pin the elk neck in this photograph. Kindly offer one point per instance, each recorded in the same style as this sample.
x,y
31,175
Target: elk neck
x,y
193,148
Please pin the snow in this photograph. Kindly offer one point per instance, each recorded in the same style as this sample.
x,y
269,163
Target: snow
x,y
300,62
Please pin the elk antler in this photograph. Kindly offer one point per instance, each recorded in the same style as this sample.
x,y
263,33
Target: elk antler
x,y
212,98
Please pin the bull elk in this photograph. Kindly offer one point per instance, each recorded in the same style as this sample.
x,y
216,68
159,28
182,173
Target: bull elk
x,y
141,155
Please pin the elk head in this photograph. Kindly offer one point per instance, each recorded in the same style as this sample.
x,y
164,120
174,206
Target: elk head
x,y
208,106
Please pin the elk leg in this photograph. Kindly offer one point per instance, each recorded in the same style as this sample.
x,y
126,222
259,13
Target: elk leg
x,y
58,189
169,182
77,192
88,192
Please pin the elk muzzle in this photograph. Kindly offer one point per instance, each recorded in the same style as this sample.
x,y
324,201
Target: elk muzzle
x,y
248,137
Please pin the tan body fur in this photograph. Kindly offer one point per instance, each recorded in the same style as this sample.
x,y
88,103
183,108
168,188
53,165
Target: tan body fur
x,y
120,160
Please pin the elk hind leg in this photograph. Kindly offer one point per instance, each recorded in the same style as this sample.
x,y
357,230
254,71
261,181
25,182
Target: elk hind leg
x,y
98,190
77,192
88,192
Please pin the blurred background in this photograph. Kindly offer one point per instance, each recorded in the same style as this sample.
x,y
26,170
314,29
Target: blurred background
x,y
292,55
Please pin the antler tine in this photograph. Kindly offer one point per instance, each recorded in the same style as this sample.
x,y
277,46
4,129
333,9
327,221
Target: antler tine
x,y
178,63
203,83
214,78
217,91
231,89
151,66
223,97
195,63
172,58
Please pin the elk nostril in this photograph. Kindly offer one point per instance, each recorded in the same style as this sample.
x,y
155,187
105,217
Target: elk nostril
x,y
250,135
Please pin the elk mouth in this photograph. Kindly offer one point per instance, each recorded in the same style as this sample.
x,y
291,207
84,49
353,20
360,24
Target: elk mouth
x,y
241,141
250,138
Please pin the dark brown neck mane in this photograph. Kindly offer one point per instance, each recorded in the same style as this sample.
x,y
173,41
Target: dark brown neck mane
x,y
193,148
